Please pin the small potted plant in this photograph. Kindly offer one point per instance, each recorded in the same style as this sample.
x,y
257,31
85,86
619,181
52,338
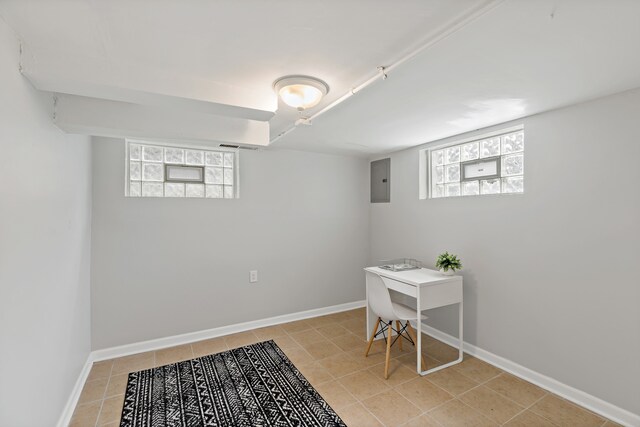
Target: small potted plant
x,y
448,263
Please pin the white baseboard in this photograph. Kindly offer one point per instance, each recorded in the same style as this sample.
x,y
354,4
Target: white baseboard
x,y
160,343
595,404
581,398
157,344
67,413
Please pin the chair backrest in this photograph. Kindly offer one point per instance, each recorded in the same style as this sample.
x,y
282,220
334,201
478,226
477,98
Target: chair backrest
x,y
379,298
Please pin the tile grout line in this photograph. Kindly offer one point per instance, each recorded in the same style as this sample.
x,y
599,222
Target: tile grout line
x,y
570,403
430,417
440,405
310,327
484,383
528,408
457,397
366,369
478,385
337,378
485,416
298,346
547,393
105,391
540,415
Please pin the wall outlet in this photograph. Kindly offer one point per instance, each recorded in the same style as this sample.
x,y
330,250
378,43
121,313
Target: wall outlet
x,y
253,276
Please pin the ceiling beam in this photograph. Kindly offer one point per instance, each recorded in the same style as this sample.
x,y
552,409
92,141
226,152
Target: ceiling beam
x,y
100,117
108,79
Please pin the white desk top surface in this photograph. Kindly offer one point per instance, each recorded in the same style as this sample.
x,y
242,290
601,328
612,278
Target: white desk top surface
x,y
417,277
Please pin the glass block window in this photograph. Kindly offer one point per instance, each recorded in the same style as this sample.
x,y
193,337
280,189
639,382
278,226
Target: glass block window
x,y
155,170
489,165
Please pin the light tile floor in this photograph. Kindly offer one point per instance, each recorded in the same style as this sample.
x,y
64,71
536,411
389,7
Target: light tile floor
x,y
329,351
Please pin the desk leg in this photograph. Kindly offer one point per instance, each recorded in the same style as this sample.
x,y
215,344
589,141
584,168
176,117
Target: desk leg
x,y
460,340
371,317
419,329
460,328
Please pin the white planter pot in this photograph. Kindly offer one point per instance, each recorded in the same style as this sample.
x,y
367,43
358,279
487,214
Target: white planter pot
x,y
449,272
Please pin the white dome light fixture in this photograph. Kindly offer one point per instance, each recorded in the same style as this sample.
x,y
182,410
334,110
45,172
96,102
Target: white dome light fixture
x,y
300,92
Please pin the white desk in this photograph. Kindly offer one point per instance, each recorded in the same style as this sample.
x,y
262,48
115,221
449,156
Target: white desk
x,y
431,289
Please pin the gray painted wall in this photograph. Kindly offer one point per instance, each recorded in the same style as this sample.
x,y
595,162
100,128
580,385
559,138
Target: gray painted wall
x,y
551,277
162,267
45,202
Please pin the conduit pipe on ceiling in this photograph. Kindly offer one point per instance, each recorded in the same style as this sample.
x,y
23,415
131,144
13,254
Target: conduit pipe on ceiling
x,y
382,72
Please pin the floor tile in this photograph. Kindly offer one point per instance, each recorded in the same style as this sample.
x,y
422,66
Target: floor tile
x,y
520,391
322,349
360,313
491,404
564,413
111,410
297,326
398,373
298,356
409,360
342,316
286,342
424,394
322,321
315,373
424,420
335,394
307,337
349,342
342,364
343,376
86,415
241,339
357,415
117,385
476,369
371,360
100,370
207,347
363,384
332,330
357,326
427,340
133,363
93,390
173,355
391,408
452,381
456,413
528,419
379,347
270,332
440,351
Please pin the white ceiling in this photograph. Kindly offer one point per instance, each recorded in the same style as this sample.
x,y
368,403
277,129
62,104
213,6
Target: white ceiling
x,y
519,58
514,61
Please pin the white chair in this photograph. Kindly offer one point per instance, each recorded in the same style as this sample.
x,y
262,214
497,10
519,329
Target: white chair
x,y
388,312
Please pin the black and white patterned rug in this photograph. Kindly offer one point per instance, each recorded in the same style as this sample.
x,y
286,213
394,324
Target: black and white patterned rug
x,y
255,385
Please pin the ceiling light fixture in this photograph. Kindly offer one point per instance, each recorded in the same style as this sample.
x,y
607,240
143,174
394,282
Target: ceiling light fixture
x,y
384,71
300,92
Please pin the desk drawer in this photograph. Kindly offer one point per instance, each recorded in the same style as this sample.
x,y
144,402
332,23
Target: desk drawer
x,y
400,287
441,295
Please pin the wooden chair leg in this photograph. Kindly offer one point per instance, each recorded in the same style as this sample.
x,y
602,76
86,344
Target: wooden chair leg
x,y
399,335
373,334
386,363
415,341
